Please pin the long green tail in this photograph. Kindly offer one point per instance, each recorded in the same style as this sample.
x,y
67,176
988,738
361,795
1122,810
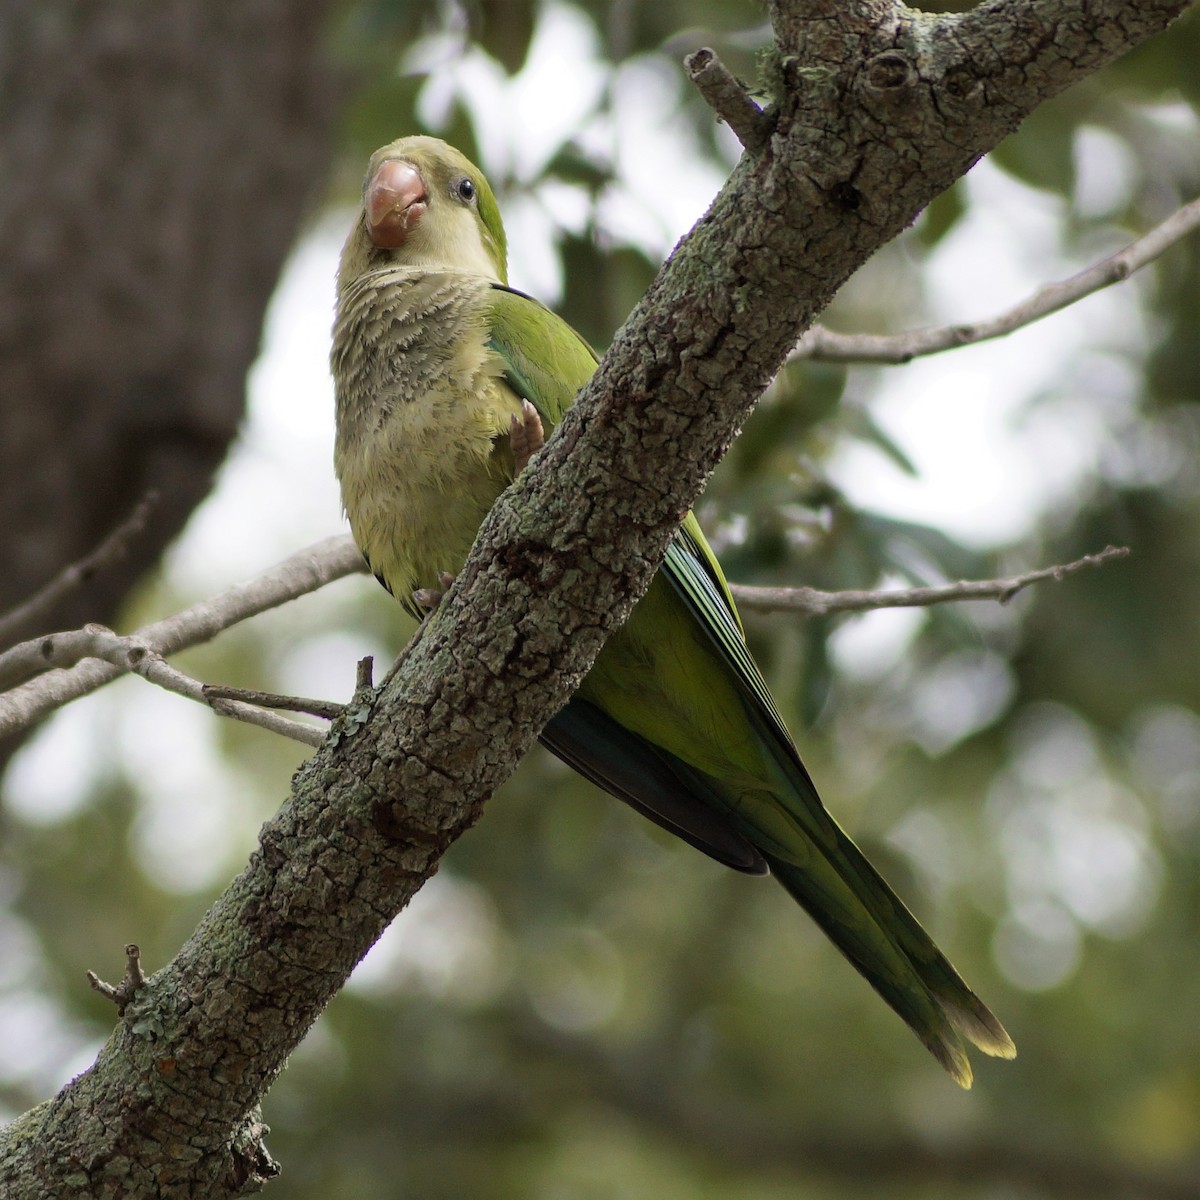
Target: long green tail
x,y
888,947
675,719
832,880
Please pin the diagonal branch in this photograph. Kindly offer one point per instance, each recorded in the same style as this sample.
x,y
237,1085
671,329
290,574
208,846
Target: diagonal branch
x,y
28,703
111,550
814,603
826,345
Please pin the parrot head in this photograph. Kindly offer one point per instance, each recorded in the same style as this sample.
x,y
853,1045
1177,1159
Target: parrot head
x,y
426,205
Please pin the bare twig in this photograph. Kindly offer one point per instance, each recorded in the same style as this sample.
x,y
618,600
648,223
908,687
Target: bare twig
x,y
825,345
296,731
120,994
132,654
153,667
728,98
111,550
814,603
143,651
327,710
304,572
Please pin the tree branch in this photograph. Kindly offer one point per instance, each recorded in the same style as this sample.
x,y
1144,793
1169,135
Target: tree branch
x,y
77,651
814,603
327,710
826,345
111,550
331,559
559,561
728,98
132,654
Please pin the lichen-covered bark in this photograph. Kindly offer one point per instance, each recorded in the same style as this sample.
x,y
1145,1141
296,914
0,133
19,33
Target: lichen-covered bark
x,y
877,110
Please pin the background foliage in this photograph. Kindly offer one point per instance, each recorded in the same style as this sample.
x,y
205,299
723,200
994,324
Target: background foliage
x,y
577,1006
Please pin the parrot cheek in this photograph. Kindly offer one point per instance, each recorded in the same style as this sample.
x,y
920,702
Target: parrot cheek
x,y
395,200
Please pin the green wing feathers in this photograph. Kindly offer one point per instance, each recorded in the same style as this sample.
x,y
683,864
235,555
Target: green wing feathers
x,y
676,720
822,868
545,361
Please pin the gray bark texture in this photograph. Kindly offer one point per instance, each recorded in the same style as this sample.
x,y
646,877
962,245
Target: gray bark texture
x,y
876,110
156,159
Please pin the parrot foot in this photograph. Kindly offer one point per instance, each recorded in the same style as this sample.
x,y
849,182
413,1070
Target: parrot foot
x,y
430,598
526,436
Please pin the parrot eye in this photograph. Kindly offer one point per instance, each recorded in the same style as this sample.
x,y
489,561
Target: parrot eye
x,y
464,189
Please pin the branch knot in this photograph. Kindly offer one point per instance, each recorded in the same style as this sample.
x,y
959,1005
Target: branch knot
x,y
121,994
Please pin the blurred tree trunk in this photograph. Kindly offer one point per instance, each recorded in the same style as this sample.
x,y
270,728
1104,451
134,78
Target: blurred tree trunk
x,y
157,158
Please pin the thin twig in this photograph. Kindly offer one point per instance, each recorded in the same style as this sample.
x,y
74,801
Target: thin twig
x,y
120,994
824,345
111,550
364,674
327,710
814,603
334,558
728,98
304,572
132,654
296,731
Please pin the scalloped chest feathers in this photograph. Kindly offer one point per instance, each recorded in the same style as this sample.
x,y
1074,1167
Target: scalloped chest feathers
x,y
422,420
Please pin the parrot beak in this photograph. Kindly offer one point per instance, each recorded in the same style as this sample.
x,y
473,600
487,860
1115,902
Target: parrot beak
x,y
394,201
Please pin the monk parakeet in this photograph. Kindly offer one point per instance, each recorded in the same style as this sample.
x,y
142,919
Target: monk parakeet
x,y
436,361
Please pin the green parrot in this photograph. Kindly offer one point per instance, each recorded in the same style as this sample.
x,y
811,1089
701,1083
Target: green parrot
x,y
437,362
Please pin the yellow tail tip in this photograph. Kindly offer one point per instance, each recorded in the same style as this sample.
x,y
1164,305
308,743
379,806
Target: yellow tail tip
x,y
980,1028
953,1057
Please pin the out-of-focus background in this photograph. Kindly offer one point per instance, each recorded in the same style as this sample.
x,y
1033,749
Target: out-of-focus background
x,y
577,1006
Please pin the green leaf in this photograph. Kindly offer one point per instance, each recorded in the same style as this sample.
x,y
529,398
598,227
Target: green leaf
x,y
859,422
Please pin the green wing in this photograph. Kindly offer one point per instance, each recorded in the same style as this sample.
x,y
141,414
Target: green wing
x,y
819,865
546,362
642,727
